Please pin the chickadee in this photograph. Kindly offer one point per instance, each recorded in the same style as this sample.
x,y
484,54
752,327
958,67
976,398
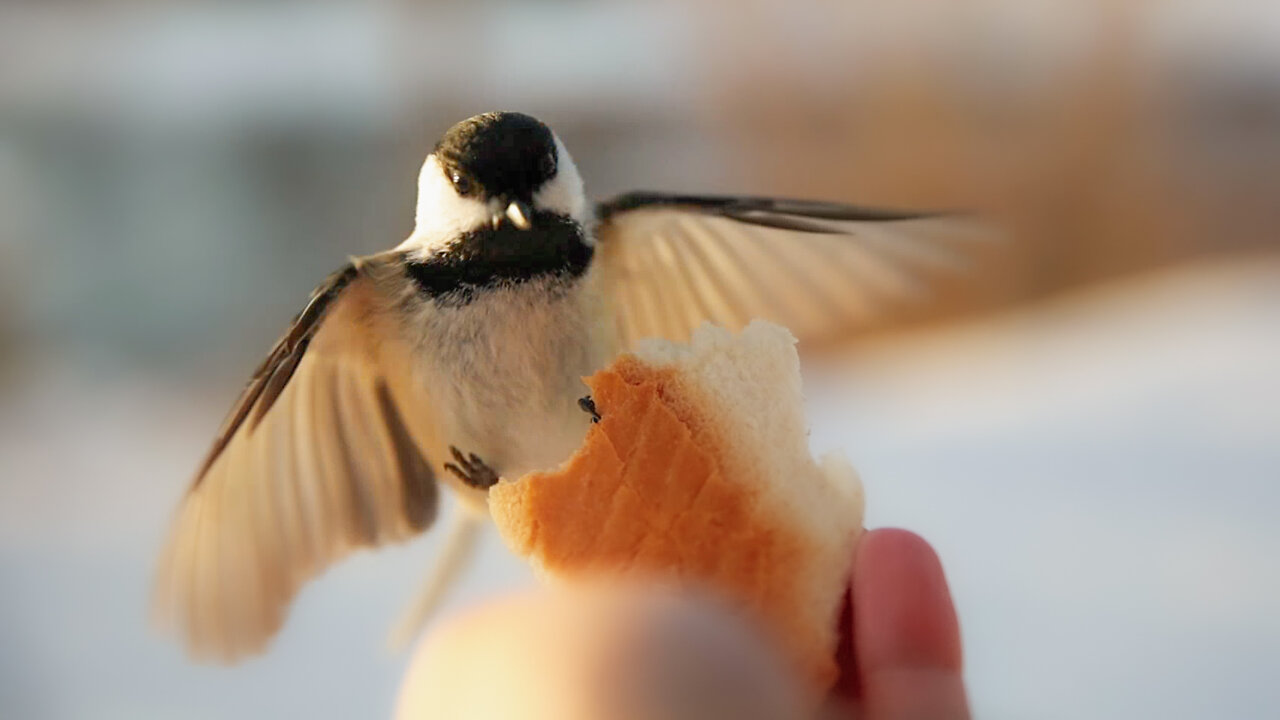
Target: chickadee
x,y
458,355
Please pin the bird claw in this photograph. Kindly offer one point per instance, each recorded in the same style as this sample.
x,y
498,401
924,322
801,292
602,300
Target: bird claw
x,y
589,406
471,470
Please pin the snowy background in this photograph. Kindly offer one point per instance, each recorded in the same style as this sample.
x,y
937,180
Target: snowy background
x,y
1087,427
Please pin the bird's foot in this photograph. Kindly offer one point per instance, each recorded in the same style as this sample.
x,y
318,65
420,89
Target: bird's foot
x,y
589,406
471,470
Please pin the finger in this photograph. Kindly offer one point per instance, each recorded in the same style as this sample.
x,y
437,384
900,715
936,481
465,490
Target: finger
x,y
619,652
905,633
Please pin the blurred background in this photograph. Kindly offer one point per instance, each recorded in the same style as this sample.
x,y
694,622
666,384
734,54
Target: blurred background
x,y
1087,425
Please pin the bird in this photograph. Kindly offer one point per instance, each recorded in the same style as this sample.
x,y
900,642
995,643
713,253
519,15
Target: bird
x,y
456,358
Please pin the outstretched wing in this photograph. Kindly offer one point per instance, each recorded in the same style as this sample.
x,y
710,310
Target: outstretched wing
x,y
316,458
822,269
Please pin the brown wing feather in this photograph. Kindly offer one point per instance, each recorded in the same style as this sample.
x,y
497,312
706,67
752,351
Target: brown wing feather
x,y
821,269
315,459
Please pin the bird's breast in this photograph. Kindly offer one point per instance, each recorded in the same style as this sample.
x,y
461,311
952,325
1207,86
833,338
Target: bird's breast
x,y
505,370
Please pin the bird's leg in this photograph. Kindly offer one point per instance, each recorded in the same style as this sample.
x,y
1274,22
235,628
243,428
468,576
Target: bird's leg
x,y
589,406
471,470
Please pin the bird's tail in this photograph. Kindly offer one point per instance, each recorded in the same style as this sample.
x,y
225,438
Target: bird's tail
x,y
466,523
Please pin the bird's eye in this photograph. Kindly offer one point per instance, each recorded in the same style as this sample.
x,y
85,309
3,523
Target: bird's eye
x,y
548,165
461,183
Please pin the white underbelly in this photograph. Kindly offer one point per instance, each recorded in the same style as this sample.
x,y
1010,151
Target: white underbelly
x,y
506,375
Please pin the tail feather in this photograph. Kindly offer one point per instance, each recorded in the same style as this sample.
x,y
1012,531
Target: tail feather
x,y
465,526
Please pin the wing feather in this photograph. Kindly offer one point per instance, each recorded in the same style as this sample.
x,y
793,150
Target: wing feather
x,y
665,307
857,302
729,268
823,269
314,460
712,282
378,492
766,266
686,304
637,294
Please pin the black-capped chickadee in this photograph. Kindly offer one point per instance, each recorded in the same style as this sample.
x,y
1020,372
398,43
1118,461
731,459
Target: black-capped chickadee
x,y
458,355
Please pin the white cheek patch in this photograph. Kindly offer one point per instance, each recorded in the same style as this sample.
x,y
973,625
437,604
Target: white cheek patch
x,y
442,214
563,193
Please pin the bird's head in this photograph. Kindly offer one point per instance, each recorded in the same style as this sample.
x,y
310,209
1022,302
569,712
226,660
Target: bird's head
x,y
493,170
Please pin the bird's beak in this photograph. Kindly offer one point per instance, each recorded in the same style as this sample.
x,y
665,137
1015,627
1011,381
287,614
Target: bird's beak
x,y
520,215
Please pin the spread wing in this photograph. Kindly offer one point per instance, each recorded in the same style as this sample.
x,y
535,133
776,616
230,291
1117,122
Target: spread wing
x,y
821,269
316,458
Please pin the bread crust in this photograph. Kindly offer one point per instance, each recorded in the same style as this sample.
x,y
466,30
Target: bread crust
x,y
652,491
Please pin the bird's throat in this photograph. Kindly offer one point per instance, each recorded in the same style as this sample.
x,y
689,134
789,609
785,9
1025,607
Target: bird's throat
x,y
503,256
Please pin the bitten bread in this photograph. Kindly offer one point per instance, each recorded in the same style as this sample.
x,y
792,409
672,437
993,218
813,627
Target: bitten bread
x,y
698,472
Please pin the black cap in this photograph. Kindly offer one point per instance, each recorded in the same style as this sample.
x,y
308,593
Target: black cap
x,y
500,154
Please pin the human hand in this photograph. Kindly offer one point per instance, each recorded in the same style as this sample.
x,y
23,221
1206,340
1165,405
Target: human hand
x,y
624,652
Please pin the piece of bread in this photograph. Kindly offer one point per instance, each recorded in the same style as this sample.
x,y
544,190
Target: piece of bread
x,y
699,472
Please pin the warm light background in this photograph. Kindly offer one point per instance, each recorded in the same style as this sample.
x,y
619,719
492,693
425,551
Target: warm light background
x,y
1088,426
